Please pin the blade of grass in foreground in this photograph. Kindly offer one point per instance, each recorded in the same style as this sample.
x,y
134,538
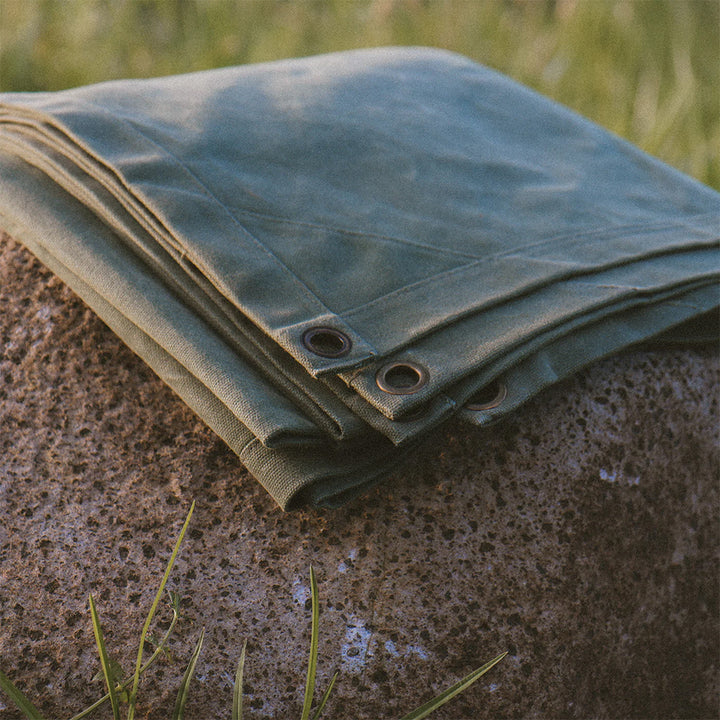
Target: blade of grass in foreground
x,y
325,697
17,696
238,689
312,662
159,649
104,660
187,677
451,692
151,614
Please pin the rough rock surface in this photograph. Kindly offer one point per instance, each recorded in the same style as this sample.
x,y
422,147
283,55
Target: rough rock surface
x,y
581,535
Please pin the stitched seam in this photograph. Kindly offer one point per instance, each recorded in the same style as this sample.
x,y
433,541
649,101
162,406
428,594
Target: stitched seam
x,y
609,234
358,233
452,318
408,289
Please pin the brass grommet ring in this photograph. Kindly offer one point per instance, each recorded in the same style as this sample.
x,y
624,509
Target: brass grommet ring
x,y
487,397
327,342
401,378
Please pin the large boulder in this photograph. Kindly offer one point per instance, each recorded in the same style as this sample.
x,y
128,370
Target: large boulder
x,y
579,535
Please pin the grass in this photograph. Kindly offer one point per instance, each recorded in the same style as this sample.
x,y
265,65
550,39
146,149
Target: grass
x,y
125,692
645,69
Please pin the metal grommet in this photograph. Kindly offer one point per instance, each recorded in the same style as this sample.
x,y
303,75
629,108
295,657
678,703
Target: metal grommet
x,y
401,378
327,342
487,397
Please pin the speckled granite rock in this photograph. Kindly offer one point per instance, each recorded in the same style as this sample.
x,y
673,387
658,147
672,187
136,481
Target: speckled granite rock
x,y
581,535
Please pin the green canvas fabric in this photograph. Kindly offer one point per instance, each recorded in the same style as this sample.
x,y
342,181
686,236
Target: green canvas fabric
x,y
328,257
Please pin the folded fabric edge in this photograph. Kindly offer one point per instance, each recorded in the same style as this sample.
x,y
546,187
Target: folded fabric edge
x,y
650,327
331,476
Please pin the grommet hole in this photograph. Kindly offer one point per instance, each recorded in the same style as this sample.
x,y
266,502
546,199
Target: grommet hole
x,y
488,396
327,342
401,378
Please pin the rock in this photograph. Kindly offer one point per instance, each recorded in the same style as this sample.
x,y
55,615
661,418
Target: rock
x,y
580,535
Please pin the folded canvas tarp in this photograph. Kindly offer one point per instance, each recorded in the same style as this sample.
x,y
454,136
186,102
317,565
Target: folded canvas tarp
x,y
328,257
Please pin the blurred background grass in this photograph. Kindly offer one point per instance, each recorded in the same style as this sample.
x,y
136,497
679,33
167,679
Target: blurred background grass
x,y
649,70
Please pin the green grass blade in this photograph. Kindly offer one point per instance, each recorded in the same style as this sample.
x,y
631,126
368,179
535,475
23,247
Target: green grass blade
x,y
104,660
238,689
451,692
151,614
312,662
325,697
17,696
126,684
187,678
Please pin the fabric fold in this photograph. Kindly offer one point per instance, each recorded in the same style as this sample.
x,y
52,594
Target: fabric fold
x,y
328,257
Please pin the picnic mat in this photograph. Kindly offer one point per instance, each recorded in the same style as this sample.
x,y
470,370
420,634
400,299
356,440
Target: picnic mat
x,y
326,258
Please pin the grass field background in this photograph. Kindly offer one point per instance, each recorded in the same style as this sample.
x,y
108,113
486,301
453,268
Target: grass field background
x,y
649,70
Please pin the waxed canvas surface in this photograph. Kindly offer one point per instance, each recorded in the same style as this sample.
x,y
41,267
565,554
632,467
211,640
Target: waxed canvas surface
x,y
459,241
